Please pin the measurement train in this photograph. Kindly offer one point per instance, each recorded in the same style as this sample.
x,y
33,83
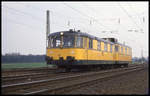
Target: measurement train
x,y
75,49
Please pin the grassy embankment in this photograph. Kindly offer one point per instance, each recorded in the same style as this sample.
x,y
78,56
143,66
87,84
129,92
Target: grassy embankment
x,y
23,65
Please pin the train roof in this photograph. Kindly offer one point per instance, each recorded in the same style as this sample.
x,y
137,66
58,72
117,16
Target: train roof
x,y
71,32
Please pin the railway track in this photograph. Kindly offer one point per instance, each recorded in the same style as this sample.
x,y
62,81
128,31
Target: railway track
x,y
18,72
65,83
22,71
31,77
21,78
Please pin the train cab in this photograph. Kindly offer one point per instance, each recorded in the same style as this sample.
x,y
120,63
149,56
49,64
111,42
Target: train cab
x,y
65,48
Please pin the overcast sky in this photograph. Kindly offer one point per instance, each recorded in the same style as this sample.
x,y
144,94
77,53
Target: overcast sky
x,y
24,23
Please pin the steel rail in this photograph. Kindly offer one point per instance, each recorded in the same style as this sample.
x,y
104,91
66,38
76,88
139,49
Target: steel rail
x,y
70,87
24,71
33,77
18,76
28,84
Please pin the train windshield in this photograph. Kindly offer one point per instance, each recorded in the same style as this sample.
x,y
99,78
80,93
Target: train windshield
x,y
68,41
55,41
64,41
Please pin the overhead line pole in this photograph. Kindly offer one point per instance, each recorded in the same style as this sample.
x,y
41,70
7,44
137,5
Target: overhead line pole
x,y
47,28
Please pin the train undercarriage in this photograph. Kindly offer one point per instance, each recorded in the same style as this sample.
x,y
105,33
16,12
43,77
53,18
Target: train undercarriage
x,y
72,64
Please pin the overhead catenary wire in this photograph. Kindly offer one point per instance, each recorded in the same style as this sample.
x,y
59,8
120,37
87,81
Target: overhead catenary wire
x,y
128,15
143,19
138,15
118,21
58,14
20,12
30,14
97,19
24,13
26,25
112,32
88,17
96,12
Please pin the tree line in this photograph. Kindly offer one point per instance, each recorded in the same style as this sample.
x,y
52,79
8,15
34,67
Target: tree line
x,y
17,58
140,59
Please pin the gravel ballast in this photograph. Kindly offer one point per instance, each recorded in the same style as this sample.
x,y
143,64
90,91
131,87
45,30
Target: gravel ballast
x,y
134,83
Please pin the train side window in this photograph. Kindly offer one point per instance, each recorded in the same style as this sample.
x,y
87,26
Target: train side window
x,y
121,49
90,43
116,48
79,42
105,47
128,51
85,42
98,45
110,47
125,50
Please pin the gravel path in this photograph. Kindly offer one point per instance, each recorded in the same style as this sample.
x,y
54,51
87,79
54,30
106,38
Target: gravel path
x,y
134,83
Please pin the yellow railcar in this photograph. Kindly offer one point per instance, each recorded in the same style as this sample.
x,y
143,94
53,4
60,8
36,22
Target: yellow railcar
x,y
75,49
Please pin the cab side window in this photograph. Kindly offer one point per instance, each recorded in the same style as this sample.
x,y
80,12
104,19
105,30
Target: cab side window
x,y
125,50
105,47
130,51
55,41
111,48
79,42
90,43
121,49
116,48
98,45
85,42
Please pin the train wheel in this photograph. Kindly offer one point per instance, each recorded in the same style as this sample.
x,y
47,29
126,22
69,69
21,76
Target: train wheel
x,y
111,67
67,70
126,65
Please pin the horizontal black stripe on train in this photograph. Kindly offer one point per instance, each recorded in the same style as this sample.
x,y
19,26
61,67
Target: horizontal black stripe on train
x,y
86,62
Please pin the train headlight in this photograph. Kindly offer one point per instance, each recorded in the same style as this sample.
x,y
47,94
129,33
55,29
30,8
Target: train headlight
x,y
61,33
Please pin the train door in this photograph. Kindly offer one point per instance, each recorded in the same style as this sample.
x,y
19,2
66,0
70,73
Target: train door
x,y
86,49
115,54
